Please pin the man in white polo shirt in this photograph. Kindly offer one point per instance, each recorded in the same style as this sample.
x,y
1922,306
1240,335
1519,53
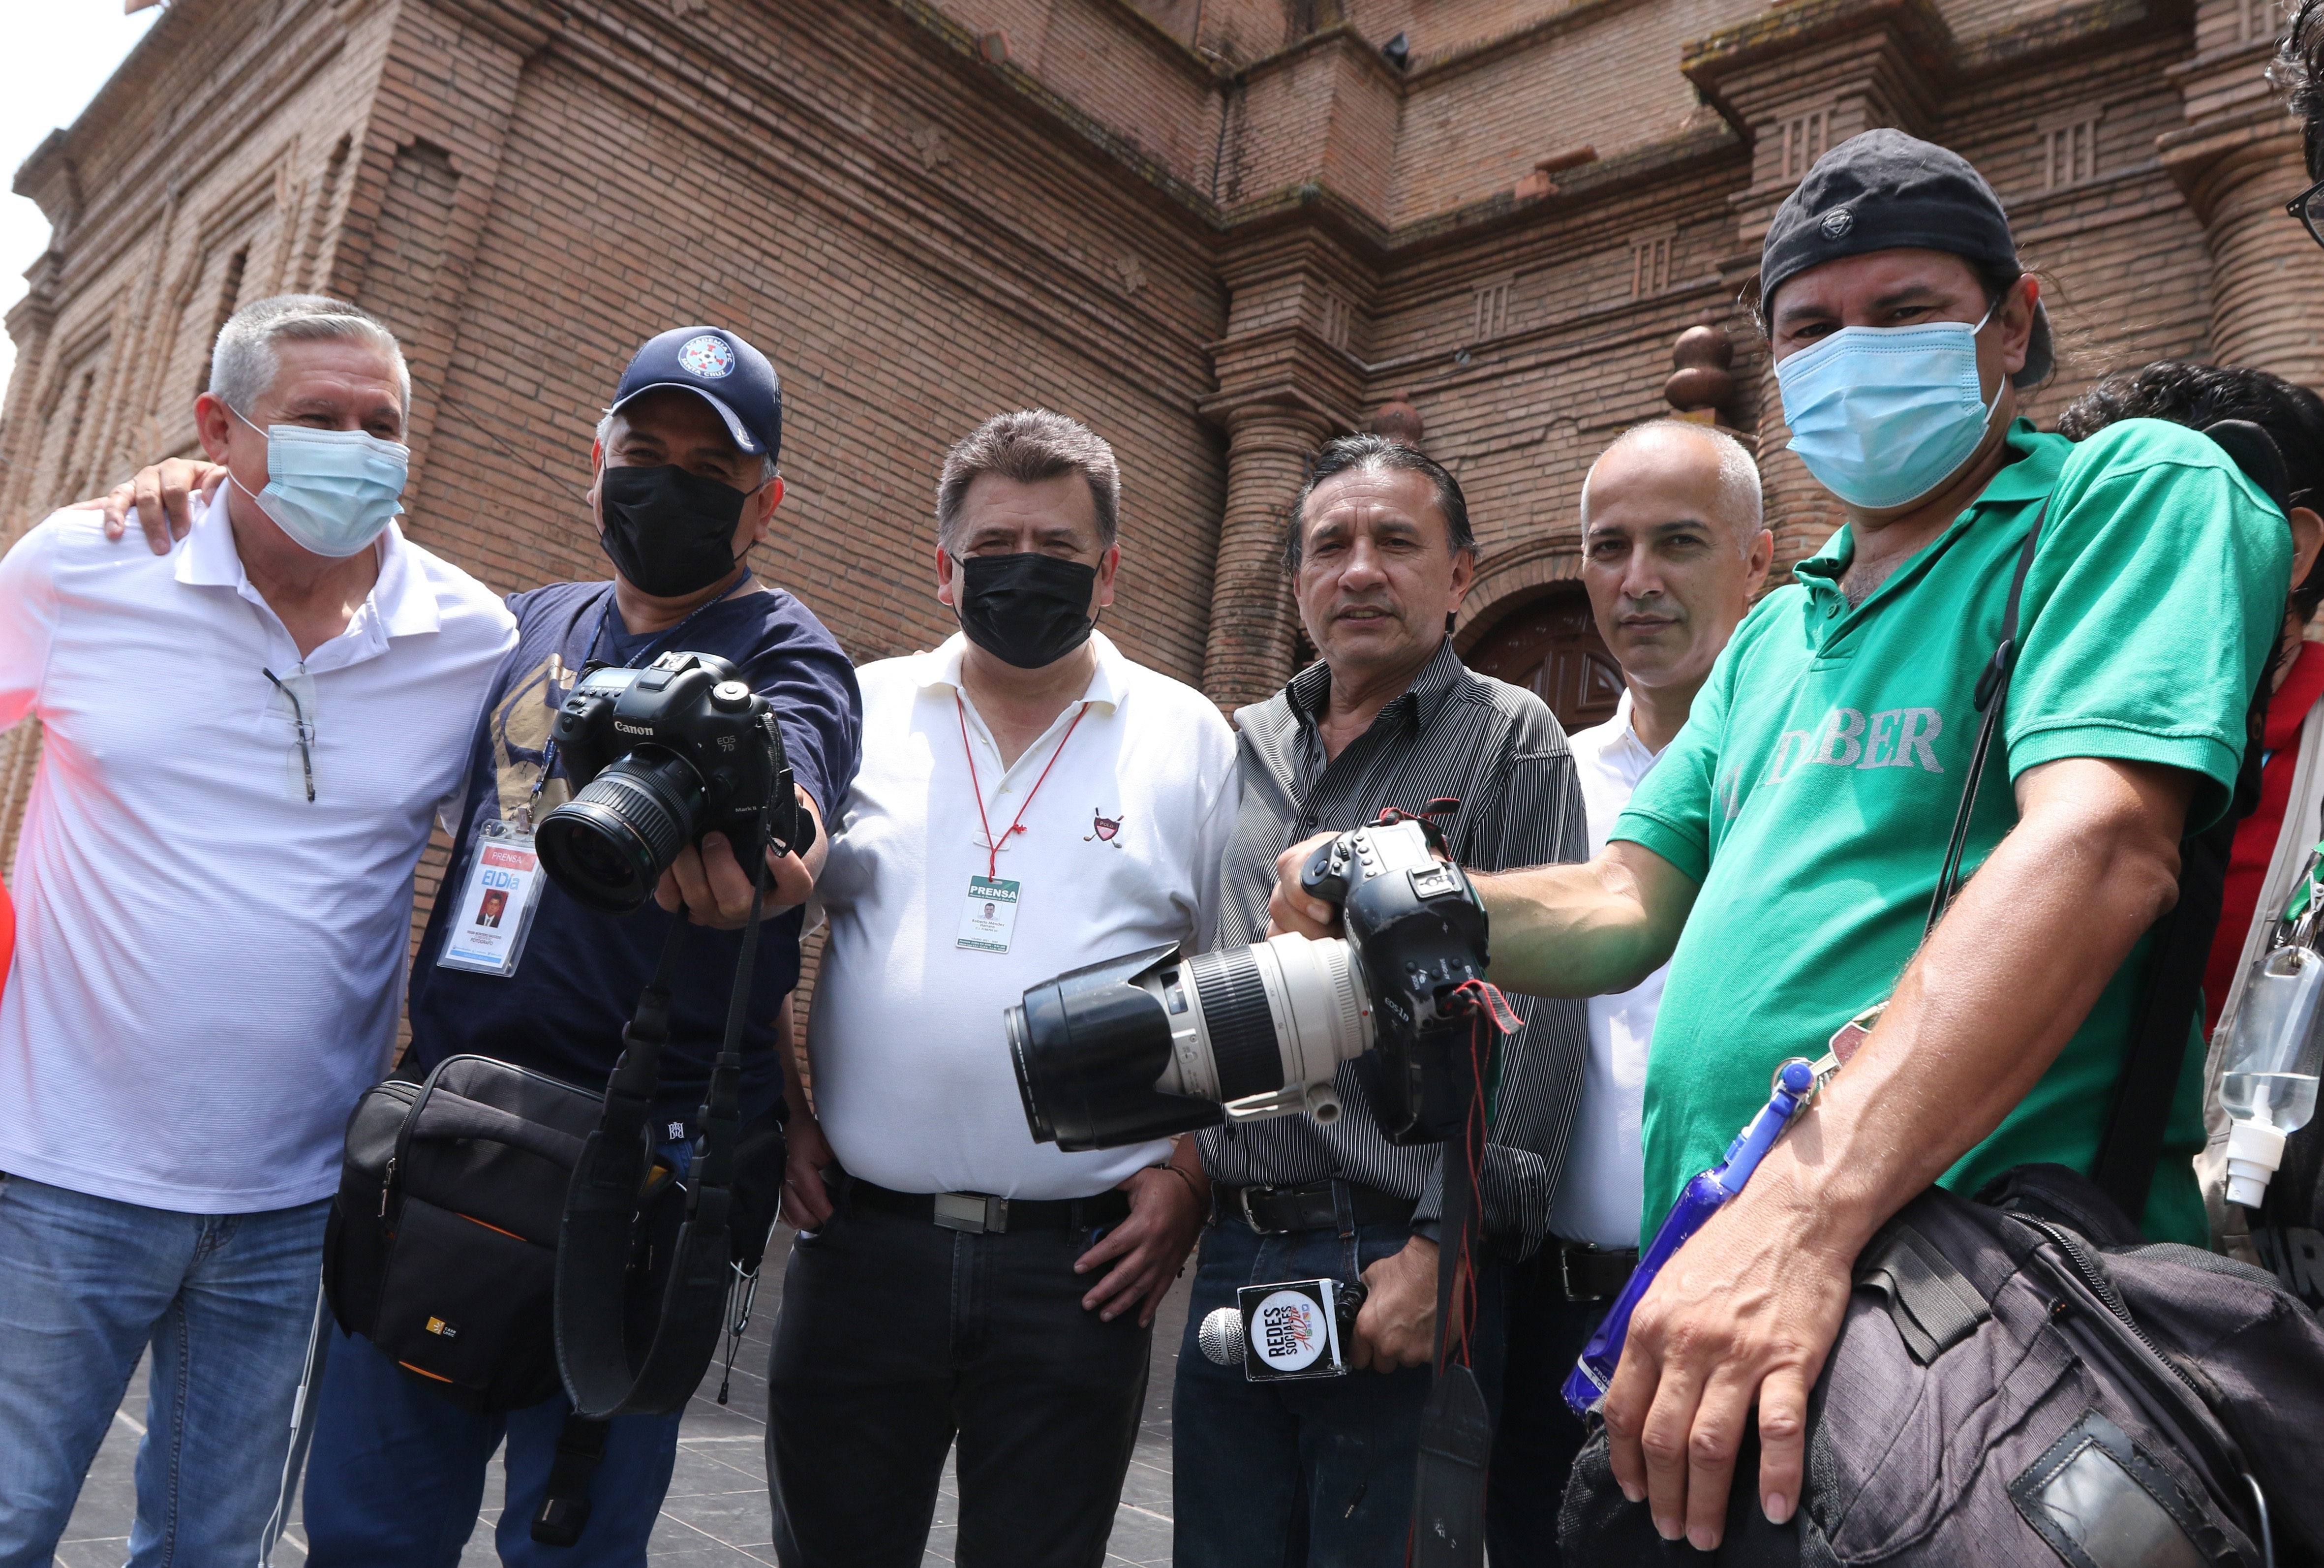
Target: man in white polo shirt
x,y
1030,802
1672,549
214,892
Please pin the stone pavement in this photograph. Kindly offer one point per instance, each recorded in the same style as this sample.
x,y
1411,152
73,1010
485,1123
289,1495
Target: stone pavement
x,y
715,1515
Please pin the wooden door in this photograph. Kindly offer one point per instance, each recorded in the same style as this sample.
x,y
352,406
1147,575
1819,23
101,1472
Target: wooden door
x,y
1552,648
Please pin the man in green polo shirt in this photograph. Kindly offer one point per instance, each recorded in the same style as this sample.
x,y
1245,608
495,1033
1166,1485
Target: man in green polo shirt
x,y
1795,828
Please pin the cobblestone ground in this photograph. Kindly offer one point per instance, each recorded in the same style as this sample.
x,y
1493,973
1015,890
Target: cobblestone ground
x,y
715,1515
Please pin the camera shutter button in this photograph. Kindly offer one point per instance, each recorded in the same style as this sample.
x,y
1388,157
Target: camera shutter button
x,y
729,697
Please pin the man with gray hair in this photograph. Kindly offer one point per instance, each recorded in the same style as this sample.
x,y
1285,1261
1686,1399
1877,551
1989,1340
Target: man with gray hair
x,y
1673,548
686,482
1030,802
215,890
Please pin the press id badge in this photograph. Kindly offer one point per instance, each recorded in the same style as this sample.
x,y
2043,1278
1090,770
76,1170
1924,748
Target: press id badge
x,y
990,920
497,898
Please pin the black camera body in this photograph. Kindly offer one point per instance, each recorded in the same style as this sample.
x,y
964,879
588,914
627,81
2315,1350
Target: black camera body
x,y
1420,936
659,757
1155,1043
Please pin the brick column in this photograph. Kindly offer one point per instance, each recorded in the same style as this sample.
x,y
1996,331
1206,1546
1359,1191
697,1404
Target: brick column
x,y
2237,156
2266,273
1253,622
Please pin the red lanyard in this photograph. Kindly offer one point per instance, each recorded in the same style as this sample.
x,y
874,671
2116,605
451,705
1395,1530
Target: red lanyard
x,y
993,863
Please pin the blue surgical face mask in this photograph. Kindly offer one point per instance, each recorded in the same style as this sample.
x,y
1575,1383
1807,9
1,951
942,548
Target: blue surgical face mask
x,y
332,492
1883,416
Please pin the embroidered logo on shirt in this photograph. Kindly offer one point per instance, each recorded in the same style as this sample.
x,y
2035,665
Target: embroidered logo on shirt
x,y
711,358
1103,828
437,1326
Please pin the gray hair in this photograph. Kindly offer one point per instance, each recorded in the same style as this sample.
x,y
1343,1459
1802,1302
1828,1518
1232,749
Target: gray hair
x,y
1029,446
767,469
244,362
1739,474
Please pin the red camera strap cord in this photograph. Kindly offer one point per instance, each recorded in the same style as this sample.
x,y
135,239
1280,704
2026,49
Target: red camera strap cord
x,y
976,788
1448,1504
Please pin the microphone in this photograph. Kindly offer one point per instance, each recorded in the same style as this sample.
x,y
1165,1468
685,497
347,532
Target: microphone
x,y
1222,1336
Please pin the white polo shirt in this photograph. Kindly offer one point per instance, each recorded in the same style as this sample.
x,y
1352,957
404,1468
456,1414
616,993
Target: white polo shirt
x,y
1603,1187
1119,852
208,967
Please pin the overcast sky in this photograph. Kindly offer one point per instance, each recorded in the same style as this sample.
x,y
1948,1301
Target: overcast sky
x,y
64,50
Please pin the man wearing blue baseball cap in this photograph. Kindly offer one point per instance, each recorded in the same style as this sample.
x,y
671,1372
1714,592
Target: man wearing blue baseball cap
x,y
685,483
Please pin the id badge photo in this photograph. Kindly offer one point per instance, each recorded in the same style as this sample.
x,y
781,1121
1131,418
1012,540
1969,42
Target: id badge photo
x,y
497,894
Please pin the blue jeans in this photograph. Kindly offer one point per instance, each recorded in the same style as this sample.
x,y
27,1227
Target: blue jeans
x,y
397,1474
1315,1471
226,1301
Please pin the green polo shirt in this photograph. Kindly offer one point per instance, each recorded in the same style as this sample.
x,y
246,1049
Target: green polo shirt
x,y
1812,791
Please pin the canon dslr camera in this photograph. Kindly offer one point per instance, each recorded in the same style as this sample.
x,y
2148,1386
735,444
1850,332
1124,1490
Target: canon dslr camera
x,y
659,757
1156,1043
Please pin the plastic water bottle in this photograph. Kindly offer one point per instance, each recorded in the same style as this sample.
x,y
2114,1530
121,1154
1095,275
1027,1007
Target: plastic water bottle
x,y
2268,1067
1705,1195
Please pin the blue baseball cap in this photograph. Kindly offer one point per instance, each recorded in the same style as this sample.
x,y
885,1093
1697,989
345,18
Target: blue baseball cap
x,y
721,369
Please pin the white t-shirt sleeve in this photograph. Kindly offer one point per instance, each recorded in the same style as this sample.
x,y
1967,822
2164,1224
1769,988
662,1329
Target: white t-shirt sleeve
x,y
28,622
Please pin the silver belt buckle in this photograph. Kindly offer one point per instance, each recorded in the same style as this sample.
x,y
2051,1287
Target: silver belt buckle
x,y
1242,1202
977,1213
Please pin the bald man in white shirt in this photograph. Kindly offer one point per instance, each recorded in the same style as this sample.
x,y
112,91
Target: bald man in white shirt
x,y
1674,549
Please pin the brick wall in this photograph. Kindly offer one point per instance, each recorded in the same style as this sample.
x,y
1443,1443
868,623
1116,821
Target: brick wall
x,y
1190,222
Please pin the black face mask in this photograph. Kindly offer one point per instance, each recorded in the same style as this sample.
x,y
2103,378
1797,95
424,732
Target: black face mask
x,y
1027,610
670,533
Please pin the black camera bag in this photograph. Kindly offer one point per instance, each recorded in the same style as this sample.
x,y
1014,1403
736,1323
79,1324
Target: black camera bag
x,y
2009,1388
441,1245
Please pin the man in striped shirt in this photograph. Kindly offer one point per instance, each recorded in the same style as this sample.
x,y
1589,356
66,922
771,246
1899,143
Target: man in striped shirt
x,y
1381,556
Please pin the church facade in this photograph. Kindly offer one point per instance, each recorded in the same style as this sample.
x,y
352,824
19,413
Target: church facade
x,y
1219,231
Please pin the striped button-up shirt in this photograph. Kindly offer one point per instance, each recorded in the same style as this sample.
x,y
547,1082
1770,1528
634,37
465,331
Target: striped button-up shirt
x,y
1455,734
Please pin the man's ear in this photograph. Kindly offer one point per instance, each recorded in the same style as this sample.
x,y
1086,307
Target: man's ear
x,y
213,423
2016,313
1108,565
1762,559
944,577
1464,577
2307,540
770,496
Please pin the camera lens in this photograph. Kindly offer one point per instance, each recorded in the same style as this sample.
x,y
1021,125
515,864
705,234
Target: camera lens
x,y
1154,1044
608,845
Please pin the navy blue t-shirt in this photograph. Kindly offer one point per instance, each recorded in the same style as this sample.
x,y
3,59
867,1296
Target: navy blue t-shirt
x,y
562,1011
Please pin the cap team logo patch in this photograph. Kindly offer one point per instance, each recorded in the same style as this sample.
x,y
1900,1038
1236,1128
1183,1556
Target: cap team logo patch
x,y
1835,225
711,358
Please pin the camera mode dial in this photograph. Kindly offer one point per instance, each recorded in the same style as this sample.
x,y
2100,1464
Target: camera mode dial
x,y
731,697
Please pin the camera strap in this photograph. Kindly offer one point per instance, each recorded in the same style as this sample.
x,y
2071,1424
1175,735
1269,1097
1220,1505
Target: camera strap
x,y
606,1375
1456,1431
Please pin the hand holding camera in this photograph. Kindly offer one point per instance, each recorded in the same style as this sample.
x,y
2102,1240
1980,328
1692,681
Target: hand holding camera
x,y
669,761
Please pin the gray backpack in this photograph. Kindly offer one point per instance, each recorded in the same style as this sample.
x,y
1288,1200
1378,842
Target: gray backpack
x,y
2020,1381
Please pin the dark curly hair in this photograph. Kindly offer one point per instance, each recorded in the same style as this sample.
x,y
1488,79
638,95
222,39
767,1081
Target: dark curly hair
x,y
2298,69
2196,395
1366,451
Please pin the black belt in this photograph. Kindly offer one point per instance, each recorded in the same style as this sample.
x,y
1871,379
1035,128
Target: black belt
x,y
979,1213
1279,1210
1584,1272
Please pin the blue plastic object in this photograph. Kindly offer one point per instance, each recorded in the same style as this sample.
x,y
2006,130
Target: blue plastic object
x,y
1705,1195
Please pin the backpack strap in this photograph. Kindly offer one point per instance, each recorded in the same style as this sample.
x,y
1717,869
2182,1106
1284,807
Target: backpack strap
x,y
1992,697
2133,1142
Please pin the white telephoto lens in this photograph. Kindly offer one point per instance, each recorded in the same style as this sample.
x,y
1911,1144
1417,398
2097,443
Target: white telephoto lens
x,y
1222,1337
